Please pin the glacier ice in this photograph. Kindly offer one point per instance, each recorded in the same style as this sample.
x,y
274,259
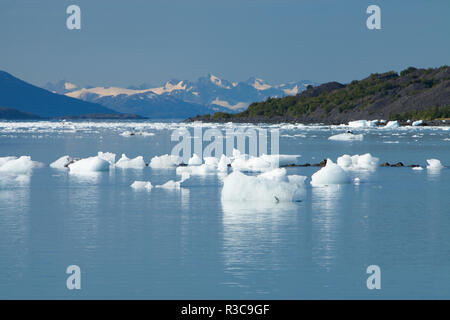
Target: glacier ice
x,y
330,174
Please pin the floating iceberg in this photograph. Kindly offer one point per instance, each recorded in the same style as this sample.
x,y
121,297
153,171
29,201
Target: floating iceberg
x,y
262,163
18,166
61,163
391,125
434,164
165,161
126,163
330,174
365,162
347,137
142,185
224,161
417,123
195,160
272,186
91,164
417,168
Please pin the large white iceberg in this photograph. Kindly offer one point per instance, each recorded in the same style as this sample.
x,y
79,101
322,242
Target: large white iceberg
x,y
272,186
365,162
346,136
127,163
434,164
330,174
165,161
91,164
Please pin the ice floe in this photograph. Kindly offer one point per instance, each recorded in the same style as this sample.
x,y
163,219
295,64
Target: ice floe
x,y
127,163
330,174
272,186
347,136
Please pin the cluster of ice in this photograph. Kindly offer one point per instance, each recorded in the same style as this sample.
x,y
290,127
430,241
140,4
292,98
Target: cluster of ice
x,y
434,164
18,166
365,162
142,185
165,161
61,163
330,174
347,136
126,163
271,186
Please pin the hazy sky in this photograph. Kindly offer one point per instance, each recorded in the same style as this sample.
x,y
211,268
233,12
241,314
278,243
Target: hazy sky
x,y
131,42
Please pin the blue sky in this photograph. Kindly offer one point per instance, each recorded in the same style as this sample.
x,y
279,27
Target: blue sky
x,y
136,41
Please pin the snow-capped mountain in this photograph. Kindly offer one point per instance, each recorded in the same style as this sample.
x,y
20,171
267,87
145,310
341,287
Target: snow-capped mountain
x,y
181,98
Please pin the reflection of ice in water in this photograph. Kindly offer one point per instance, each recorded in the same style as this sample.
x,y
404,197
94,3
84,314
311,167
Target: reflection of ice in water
x,y
325,223
14,222
252,234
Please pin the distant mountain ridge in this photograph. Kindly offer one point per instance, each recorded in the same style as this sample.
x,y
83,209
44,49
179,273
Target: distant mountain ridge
x,y
181,98
22,100
413,94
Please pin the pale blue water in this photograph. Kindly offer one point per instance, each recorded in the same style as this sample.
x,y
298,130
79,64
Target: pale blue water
x,y
187,244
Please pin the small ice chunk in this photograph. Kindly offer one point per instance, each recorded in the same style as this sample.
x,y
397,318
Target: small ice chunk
x,y
417,168
362,124
330,174
224,161
171,184
417,123
201,170
165,161
126,163
61,163
346,136
434,164
142,185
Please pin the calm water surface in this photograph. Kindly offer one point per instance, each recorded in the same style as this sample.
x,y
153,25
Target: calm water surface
x,y
189,244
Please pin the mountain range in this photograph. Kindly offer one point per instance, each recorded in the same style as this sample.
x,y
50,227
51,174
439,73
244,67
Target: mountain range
x,y
180,98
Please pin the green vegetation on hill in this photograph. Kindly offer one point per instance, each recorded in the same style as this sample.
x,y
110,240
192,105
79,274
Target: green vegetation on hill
x,y
412,94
